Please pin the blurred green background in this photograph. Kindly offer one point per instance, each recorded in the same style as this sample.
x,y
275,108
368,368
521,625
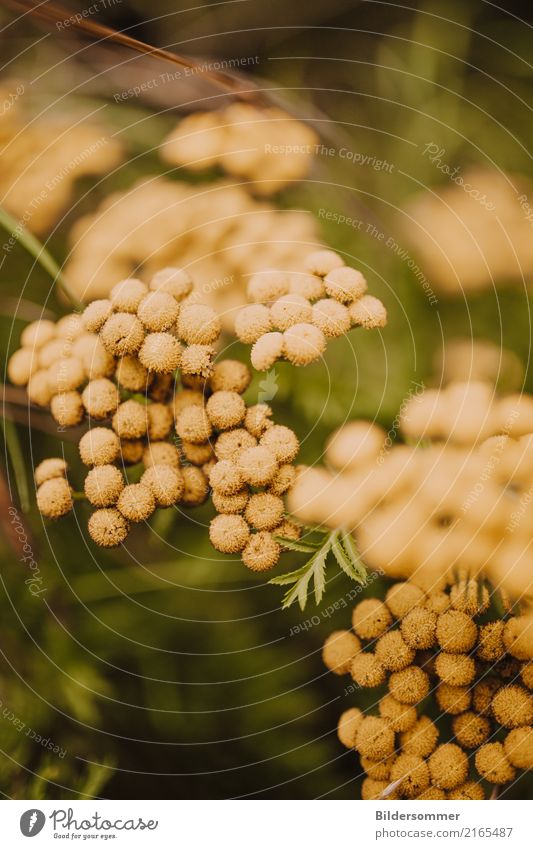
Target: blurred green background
x,y
160,669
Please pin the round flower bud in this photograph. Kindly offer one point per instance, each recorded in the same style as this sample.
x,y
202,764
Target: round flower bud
x,y
230,503
264,511
289,310
127,295
282,480
199,453
197,362
196,487
136,502
288,530
52,467
261,552
198,324
349,722
379,770
54,498
368,312
471,730
267,286
401,717
96,361
493,765
69,327
518,637
345,284
339,650
131,451
66,374
22,364
160,421
131,374
228,533
158,311
226,478
518,746
266,351
57,349
413,772
366,670
161,454
186,398
258,419
469,597
175,281
257,465
193,425
37,333
166,484
483,693
303,344
108,527
402,597
393,652
99,446
455,669
513,706
194,382
230,376
526,674
309,286
129,421
160,352
490,646
252,322
371,789
432,794
67,408
421,738
38,388
282,442
470,790
225,409
103,485
448,766
452,699
438,602
374,738
418,628
96,314
456,632
232,442
410,685
331,317
322,262
122,334
370,619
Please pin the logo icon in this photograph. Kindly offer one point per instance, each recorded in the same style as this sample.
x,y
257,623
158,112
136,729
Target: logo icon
x,y
32,822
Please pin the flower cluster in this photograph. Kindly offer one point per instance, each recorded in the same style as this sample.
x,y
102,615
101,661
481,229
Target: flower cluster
x,y
448,664
436,505
218,231
293,314
265,146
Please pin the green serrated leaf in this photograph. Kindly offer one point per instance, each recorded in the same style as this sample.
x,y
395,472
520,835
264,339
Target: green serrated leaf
x,y
349,546
290,577
293,545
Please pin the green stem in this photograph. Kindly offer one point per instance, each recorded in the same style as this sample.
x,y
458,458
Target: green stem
x,y
17,461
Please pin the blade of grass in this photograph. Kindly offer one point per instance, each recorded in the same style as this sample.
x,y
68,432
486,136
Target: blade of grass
x,y
17,461
37,250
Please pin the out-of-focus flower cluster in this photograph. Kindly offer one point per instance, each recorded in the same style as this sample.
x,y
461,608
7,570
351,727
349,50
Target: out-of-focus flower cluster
x,y
473,235
218,231
266,147
40,161
457,714
294,313
461,497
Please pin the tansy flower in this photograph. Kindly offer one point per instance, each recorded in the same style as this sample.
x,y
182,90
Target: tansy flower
x,y
453,699
174,281
37,333
371,619
331,317
401,717
252,322
158,311
230,503
402,597
67,408
471,730
323,262
96,314
339,651
455,669
226,478
421,738
303,344
160,352
257,419
282,442
100,398
136,502
161,453
374,738
103,485
264,511
99,446
410,685
22,364
512,706
197,362
366,670
230,376
261,552
198,324
518,746
493,765
368,312
257,465
108,527
225,409
127,295
345,284
198,453
268,286
267,350
122,334
131,451
349,722
418,628
448,766
195,486
54,498
456,632
193,425
393,652
130,420
229,533
52,467
165,482
289,310
232,442
413,773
